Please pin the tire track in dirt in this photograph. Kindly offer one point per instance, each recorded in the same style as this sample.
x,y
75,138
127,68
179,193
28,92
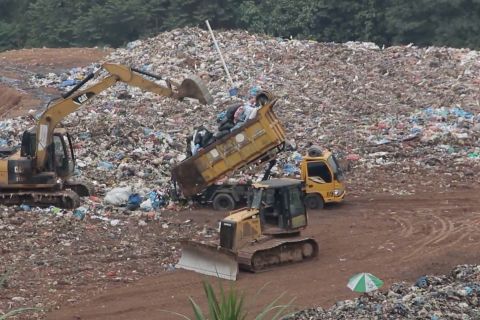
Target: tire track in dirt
x,y
439,231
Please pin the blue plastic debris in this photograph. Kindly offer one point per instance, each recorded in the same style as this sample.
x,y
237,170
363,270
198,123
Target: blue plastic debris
x,y
289,168
80,213
157,199
422,282
68,83
25,207
105,165
84,135
134,201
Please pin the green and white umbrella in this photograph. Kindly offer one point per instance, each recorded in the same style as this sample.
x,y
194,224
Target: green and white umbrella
x,y
364,282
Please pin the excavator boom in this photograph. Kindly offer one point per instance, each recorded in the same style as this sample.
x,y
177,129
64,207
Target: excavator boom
x,y
40,172
191,87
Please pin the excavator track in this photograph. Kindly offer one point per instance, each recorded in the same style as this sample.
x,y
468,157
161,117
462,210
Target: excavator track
x,y
66,199
275,252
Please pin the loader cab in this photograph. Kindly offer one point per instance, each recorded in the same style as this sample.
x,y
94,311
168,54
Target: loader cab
x,y
280,204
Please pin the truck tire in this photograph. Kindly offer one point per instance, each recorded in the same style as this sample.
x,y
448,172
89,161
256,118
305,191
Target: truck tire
x,y
223,202
313,201
315,151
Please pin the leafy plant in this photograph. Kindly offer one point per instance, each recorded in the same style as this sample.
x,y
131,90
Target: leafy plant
x,y
230,305
17,311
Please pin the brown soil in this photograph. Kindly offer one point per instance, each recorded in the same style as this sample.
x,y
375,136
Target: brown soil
x,y
18,65
394,237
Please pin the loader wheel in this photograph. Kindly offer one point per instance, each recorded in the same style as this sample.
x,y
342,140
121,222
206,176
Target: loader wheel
x,y
223,202
313,201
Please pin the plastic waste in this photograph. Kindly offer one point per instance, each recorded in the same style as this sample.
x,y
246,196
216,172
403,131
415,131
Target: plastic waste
x,y
118,196
134,201
105,165
80,213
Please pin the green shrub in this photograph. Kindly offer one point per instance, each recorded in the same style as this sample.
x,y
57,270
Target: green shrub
x,y
231,306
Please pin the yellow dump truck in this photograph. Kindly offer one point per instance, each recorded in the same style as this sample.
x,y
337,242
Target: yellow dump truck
x,y
320,173
323,179
257,141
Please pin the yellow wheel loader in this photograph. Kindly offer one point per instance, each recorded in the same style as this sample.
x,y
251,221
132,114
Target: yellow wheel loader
x,y
266,234
39,172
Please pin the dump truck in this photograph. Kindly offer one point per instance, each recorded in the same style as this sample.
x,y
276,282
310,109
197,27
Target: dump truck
x,y
319,170
259,140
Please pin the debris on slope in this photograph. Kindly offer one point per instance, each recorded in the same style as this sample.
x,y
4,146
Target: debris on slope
x,y
453,296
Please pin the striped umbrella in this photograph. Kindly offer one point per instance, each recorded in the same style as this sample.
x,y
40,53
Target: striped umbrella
x,y
364,282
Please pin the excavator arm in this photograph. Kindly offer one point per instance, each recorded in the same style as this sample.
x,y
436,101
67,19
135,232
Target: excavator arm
x,y
191,87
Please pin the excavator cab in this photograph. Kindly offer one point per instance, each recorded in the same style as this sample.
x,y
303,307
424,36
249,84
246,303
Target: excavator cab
x,y
62,156
60,159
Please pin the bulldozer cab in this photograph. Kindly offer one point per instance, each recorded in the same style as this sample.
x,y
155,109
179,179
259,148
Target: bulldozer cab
x,y
280,204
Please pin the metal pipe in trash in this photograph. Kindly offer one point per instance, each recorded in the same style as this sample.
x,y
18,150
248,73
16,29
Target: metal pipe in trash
x,y
220,53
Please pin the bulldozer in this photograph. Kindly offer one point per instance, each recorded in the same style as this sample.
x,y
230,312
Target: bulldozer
x,y
40,171
261,236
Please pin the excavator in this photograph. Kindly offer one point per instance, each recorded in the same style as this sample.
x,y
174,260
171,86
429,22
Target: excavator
x,y
40,172
261,236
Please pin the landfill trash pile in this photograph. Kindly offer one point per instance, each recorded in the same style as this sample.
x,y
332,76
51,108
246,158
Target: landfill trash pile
x,y
399,109
453,296
393,112
46,254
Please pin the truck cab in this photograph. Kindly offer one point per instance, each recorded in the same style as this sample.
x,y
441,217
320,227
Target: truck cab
x,y
323,179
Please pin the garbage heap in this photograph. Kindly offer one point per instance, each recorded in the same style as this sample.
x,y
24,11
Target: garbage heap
x,y
401,110
453,296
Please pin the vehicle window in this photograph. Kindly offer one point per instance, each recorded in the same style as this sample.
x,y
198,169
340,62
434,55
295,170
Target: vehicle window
x,y
59,151
67,144
319,169
257,199
296,204
337,172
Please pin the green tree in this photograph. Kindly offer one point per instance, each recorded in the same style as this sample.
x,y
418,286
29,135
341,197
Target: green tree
x,y
437,22
115,22
12,32
220,13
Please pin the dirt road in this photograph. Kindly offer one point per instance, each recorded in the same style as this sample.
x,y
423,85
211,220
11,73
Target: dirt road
x,y
395,238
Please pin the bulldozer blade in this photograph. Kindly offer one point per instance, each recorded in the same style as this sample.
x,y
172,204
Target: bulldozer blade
x,y
209,260
193,87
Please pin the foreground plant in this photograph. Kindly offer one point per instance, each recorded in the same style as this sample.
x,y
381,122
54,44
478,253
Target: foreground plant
x,y
230,306
17,311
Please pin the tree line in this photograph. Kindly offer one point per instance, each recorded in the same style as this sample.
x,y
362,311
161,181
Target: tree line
x,y
60,23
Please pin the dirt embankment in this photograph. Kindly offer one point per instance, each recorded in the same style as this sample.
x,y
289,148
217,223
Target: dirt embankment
x,y
17,96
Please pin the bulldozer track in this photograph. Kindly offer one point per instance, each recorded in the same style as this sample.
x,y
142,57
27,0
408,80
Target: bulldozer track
x,y
276,252
64,199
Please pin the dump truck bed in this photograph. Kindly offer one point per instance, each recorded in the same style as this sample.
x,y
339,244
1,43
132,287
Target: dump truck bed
x,y
259,139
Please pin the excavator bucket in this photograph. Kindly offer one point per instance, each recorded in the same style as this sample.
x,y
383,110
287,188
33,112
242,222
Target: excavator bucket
x,y
193,87
208,259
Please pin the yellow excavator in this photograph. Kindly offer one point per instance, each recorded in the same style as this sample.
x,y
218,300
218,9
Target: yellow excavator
x,y
263,235
39,173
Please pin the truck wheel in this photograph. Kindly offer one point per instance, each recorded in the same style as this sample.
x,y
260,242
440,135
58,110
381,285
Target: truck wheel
x,y
223,202
315,151
313,201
